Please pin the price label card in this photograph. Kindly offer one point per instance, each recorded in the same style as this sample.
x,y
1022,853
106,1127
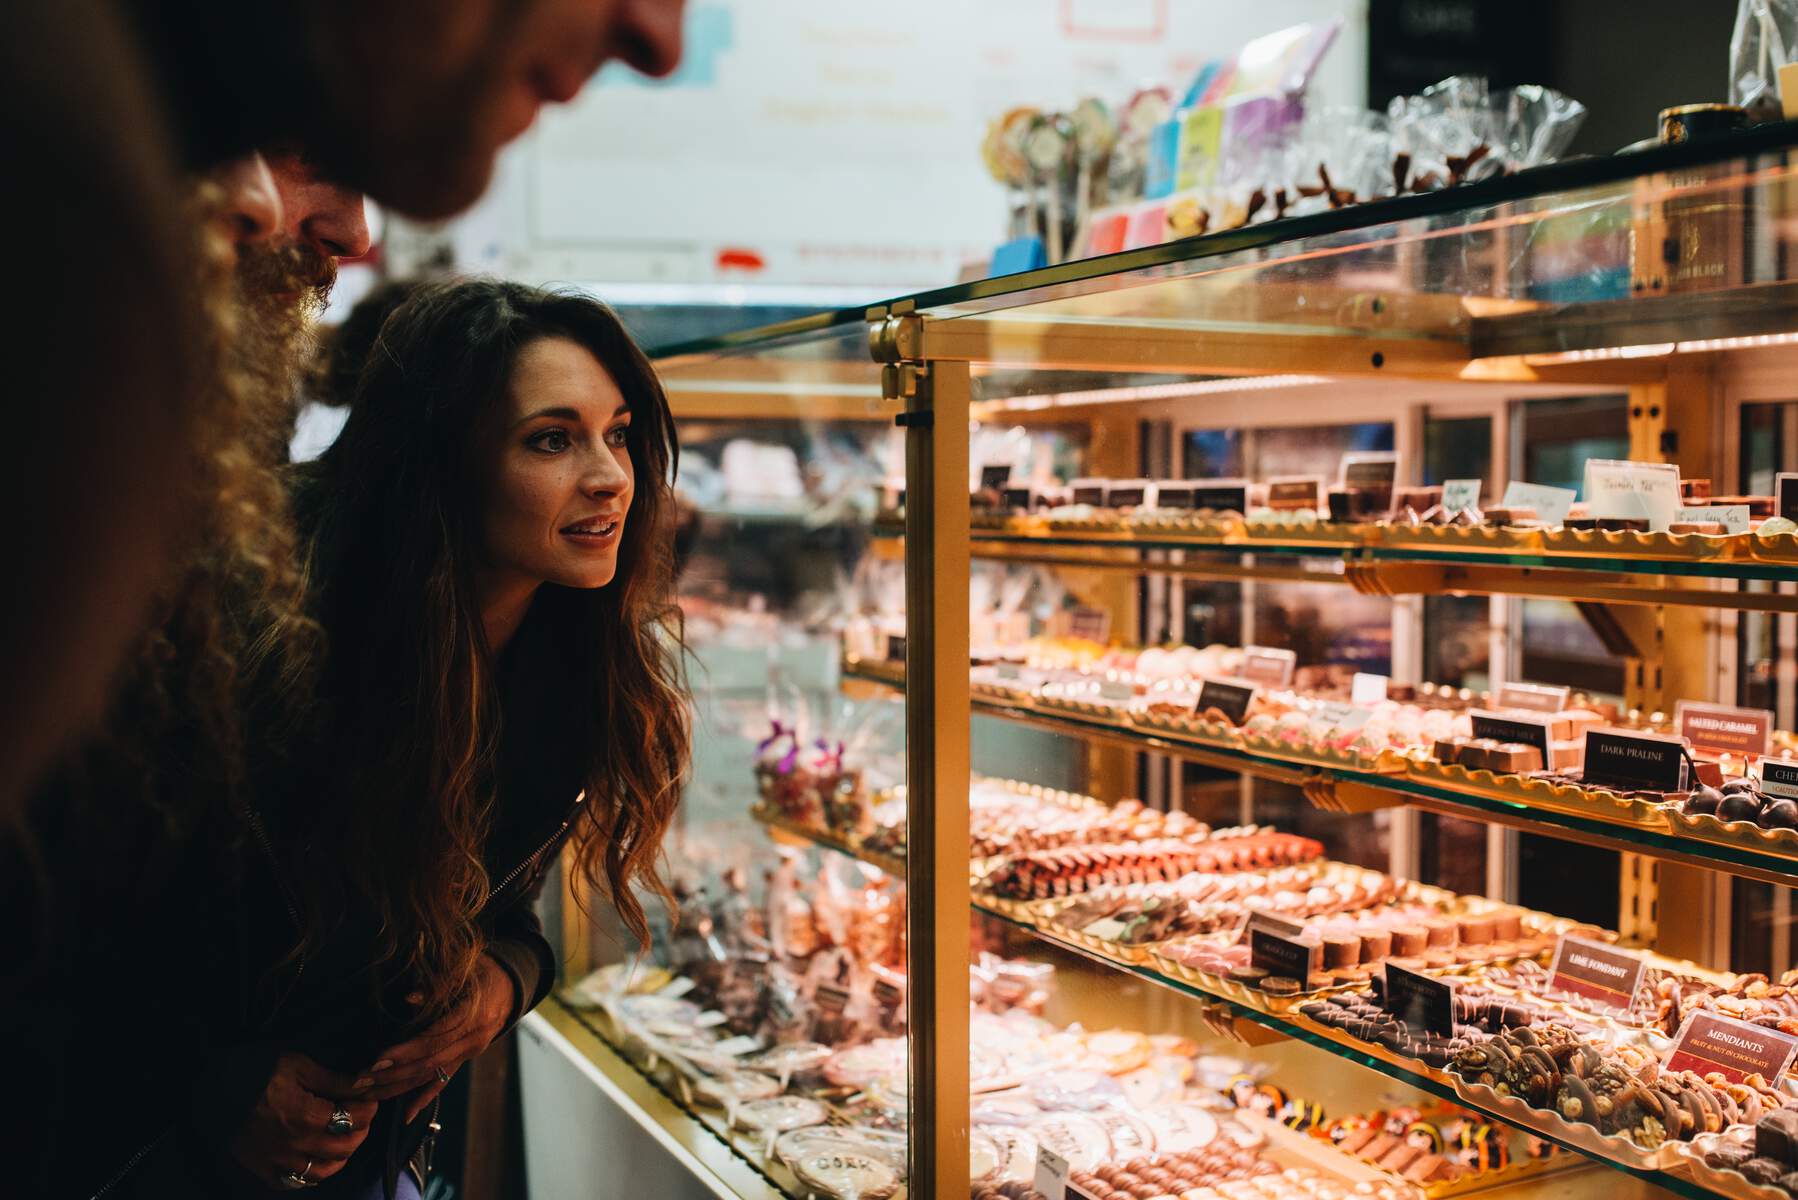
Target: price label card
x,y
1174,493
1338,717
994,476
1279,926
1231,699
1267,666
1368,689
1376,470
1130,494
1632,762
1017,497
1527,731
1533,697
1009,672
1051,1174
895,647
1600,973
1779,777
1277,954
1733,517
1550,503
1289,492
1088,491
1459,494
1727,730
1420,1001
1116,690
1221,495
1785,495
1735,1049
1633,490
1093,624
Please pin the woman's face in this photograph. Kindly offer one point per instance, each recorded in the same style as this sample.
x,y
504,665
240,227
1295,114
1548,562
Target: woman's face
x,y
560,477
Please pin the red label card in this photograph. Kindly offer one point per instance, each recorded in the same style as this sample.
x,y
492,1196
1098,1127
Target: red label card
x,y
1734,1049
1596,971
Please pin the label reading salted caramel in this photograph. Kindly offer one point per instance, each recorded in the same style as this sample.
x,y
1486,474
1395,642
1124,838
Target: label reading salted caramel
x,y
1600,973
1733,1049
1267,666
1729,730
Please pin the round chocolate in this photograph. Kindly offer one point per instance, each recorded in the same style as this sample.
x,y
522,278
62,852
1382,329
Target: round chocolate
x,y
1738,806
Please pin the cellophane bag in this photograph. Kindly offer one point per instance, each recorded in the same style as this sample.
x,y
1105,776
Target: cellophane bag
x,y
1765,39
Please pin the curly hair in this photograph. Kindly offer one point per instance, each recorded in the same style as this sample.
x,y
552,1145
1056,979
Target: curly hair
x,y
392,514
234,605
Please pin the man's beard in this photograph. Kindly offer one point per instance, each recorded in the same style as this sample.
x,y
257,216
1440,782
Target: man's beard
x,y
281,291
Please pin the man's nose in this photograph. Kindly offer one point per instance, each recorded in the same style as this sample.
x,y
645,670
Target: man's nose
x,y
252,211
339,228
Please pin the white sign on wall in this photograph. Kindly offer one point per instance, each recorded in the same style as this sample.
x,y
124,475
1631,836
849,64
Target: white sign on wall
x,y
816,142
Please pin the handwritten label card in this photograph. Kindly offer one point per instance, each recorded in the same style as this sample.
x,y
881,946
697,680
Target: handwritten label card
x,y
1461,494
1550,503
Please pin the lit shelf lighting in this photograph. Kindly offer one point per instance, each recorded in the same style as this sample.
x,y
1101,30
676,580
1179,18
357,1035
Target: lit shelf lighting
x,y
1150,391
1663,349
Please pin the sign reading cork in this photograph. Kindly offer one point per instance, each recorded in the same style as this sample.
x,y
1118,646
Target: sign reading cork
x,y
1600,973
1734,1049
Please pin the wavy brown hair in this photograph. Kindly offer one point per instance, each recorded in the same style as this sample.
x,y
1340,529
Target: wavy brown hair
x,y
392,513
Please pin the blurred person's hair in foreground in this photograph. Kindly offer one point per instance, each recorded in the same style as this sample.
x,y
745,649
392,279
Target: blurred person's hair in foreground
x,y
106,362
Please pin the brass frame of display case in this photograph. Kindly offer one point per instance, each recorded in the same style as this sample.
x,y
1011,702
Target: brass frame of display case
x,y
930,346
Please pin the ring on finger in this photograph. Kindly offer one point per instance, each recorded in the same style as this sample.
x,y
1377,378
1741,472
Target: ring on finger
x,y
341,1123
294,1181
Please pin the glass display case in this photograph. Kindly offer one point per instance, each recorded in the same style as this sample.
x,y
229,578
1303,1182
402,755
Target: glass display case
x,y
1304,711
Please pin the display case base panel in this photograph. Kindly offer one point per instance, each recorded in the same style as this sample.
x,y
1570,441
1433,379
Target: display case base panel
x,y
595,1129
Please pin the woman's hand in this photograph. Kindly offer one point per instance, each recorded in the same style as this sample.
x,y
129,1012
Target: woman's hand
x,y
423,1066
287,1130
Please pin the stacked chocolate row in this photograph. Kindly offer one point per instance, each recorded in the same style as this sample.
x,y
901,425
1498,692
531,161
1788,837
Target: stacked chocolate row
x,y
1071,870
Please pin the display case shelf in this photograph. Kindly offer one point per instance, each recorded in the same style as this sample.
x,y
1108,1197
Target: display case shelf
x,y
1766,864
1225,1009
1376,567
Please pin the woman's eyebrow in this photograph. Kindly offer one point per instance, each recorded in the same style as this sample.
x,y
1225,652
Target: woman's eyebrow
x,y
564,414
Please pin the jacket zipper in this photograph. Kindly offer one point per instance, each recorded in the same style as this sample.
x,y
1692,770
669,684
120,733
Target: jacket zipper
x,y
131,1164
549,841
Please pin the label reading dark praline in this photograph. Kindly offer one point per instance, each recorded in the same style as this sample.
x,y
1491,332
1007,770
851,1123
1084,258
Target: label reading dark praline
x,y
1634,761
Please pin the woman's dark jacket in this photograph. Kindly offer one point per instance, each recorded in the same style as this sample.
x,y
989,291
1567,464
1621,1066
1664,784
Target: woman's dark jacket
x,y
159,990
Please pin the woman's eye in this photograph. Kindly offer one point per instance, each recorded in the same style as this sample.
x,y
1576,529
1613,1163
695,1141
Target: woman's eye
x,y
618,436
550,441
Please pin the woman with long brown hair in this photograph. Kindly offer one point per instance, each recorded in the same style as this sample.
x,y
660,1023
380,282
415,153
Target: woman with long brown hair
x,y
488,543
